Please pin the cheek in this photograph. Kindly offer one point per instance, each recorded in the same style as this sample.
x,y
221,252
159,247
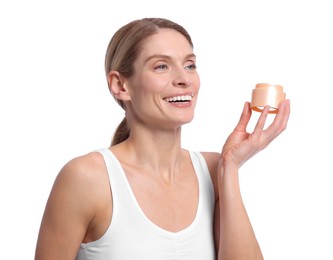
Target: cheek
x,y
154,85
196,82
151,83
145,90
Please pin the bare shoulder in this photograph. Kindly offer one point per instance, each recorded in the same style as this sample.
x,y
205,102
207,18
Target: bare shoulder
x,y
80,191
82,174
83,168
84,178
212,160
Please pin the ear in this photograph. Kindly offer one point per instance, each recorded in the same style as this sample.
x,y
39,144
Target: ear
x,y
117,86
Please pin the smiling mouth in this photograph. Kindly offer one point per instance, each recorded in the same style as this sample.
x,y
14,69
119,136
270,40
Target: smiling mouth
x,y
182,98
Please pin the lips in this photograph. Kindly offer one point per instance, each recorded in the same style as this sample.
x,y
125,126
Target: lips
x,y
179,98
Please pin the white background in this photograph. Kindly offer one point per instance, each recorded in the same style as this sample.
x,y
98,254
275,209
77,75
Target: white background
x,y
55,105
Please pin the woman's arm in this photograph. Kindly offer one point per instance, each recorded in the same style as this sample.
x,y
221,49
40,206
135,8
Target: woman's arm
x,y
69,211
237,239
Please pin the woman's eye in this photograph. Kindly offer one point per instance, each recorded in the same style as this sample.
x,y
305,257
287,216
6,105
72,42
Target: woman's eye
x,y
161,67
191,66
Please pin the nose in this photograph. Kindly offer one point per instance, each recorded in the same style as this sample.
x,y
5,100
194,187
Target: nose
x,y
182,79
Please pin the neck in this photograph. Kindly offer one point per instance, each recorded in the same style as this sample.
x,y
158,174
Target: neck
x,y
156,151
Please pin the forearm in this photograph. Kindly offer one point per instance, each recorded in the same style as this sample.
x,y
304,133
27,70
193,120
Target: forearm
x,y
237,238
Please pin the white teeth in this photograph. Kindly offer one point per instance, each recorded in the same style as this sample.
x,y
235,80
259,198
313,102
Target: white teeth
x,y
179,98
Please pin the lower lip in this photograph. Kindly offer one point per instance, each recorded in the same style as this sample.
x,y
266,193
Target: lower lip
x,y
180,104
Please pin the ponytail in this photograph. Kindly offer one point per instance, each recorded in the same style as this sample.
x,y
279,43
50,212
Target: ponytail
x,y
122,132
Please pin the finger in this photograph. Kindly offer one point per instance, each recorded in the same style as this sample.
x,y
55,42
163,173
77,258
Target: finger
x,y
244,118
281,119
261,121
284,112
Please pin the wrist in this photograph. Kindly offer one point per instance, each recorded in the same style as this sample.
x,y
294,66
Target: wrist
x,y
228,168
228,163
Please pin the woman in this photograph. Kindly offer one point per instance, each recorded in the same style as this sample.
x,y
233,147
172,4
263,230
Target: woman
x,y
146,197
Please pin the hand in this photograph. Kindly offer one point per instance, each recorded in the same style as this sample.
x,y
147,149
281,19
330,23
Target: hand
x,y
241,146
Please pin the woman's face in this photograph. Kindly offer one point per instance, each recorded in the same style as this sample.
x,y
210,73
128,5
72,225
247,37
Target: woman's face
x,y
165,85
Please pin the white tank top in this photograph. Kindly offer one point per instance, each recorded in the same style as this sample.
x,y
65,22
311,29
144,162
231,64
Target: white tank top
x,y
132,236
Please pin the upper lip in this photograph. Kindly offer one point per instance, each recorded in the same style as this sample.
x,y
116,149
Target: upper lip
x,y
191,94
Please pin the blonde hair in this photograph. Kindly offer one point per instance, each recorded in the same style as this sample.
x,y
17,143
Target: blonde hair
x,y
123,50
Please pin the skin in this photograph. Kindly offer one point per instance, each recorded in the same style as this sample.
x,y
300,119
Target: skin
x,y
158,169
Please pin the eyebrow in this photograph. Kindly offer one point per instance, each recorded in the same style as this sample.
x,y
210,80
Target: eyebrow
x,y
166,57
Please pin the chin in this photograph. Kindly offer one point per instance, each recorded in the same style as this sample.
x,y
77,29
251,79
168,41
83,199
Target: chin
x,y
186,120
